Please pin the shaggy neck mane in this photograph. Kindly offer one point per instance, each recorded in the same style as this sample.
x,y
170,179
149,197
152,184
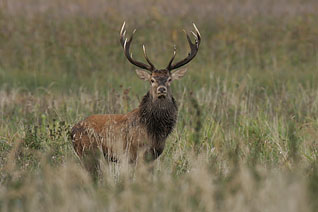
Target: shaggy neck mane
x,y
158,116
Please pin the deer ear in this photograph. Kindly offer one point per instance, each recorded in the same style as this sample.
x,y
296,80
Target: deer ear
x,y
143,75
178,74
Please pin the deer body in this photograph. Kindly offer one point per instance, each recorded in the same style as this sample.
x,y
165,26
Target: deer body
x,y
144,130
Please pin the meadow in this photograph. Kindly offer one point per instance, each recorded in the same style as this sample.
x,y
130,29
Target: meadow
x,y
247,132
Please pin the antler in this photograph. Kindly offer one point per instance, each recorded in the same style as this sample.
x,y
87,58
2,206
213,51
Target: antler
x,y
194,50
126,45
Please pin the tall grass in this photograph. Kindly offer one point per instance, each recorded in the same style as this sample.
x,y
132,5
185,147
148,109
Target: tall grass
x,y
246,136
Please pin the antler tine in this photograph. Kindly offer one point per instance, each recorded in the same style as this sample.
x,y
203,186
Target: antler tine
x,y
145,54
194,47
197,31
125,43
173,56
122,34
195,35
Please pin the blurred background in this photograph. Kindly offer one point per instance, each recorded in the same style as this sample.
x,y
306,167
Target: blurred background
x,y
247,130
64,44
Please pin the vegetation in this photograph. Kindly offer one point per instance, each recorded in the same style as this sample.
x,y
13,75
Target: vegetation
x,y
247,131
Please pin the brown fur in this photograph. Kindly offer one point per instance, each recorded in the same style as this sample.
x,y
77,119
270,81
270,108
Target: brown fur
x,y
143,130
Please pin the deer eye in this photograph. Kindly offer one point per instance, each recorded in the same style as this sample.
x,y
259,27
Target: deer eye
x,y
152,81
169,80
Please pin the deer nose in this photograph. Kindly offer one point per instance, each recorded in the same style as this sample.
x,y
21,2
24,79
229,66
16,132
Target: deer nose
x,y
162,89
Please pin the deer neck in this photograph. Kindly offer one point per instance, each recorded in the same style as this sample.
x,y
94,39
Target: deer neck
x,y
158,116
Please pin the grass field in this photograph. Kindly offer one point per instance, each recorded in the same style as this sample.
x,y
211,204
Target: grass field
x,y
247,132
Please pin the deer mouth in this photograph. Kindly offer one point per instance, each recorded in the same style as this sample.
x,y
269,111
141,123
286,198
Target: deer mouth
x,y
162,95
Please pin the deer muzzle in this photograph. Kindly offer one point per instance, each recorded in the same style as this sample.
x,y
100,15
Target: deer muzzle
x,y
161,91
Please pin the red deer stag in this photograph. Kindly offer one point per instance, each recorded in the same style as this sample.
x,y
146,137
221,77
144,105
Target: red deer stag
x,y
145,129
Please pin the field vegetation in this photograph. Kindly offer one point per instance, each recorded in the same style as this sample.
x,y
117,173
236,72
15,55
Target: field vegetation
x,y
247,132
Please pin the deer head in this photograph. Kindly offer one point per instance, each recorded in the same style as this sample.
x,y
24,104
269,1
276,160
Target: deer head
x,y
160,79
